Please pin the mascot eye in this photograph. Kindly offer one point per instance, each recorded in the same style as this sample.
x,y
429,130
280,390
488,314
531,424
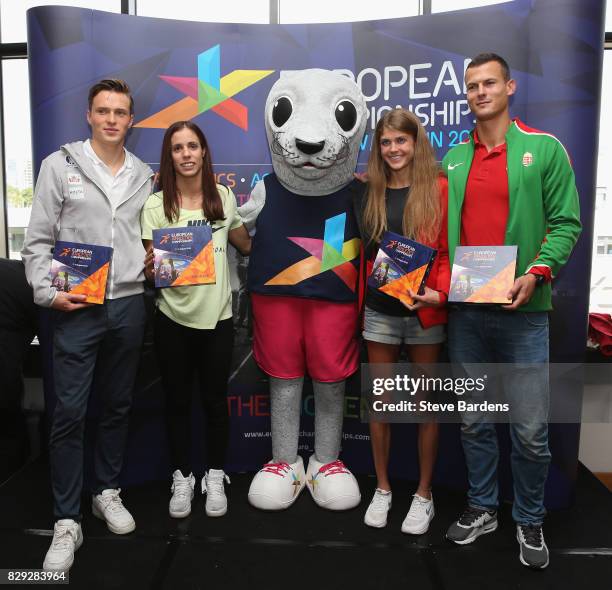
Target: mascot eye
x,y
281,111
346,115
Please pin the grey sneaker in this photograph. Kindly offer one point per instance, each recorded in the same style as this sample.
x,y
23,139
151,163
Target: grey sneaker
x,y
534,552
212,486
472,523
67,538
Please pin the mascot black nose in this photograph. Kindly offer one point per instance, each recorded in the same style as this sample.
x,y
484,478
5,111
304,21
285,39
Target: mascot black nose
x,y
308,147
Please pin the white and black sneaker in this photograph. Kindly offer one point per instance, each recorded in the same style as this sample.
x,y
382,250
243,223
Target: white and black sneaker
x,y
534,552
472,523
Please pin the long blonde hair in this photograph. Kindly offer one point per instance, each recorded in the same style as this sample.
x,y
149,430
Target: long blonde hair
x,y
422,213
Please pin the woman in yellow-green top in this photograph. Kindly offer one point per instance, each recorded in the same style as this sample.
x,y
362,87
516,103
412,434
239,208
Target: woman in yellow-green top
x,y
193,325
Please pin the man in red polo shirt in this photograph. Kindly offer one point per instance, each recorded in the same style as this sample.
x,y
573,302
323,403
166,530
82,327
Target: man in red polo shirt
x,y
509,184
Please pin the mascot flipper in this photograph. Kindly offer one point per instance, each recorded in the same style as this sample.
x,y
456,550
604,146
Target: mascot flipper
x,y
303,276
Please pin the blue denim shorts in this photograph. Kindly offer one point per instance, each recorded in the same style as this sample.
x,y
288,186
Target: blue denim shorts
x,y
388,329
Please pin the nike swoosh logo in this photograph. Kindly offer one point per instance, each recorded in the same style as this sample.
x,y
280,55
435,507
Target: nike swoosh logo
x,y
453,166
214,229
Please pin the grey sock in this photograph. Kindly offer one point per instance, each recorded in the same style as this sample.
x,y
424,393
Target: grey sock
x,y
329,416
285,403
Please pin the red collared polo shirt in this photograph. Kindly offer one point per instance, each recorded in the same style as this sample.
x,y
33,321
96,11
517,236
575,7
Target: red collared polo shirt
x,y
486,204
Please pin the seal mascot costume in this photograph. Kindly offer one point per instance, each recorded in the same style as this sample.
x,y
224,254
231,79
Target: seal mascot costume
x,y
303,280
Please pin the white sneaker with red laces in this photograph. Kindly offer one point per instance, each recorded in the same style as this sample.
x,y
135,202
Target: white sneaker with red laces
x,y
332,485
277,485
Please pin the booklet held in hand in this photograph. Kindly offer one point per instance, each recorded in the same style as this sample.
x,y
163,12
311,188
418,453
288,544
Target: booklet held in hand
x,y
401,265
81,269
482,274
183,256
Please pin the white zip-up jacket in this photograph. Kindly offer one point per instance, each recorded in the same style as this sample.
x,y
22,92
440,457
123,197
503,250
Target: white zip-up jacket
x,y
70,205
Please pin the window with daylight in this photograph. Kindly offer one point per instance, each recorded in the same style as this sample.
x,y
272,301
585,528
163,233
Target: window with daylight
x,y
18,174
323,11
448,5
13,14
253,11
601,270
18,152
604,245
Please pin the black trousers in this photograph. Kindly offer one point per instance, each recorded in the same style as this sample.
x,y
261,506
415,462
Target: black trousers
x,y
182,354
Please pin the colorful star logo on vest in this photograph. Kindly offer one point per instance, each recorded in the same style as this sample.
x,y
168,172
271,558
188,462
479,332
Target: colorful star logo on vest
x,y
330,253
209,91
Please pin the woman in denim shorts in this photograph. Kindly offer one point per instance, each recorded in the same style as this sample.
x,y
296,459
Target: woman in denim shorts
x,y
405,194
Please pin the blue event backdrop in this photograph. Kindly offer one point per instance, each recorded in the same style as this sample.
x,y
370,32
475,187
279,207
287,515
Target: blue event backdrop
x,y
554,48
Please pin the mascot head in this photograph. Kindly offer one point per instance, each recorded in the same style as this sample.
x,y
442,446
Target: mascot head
x,y
315,120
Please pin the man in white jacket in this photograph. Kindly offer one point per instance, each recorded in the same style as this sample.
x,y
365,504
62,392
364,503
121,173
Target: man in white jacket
x,y
91,192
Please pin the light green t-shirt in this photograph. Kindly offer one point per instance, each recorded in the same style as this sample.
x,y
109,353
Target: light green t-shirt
x,y
196,306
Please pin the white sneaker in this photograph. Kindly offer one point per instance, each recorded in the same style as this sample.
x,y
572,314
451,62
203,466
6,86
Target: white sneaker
x,y
212,486
67,538
108,506
332,485
376,514
182,494
419,516
277,485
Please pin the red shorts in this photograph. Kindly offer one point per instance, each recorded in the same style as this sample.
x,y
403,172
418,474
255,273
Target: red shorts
x,y
293,336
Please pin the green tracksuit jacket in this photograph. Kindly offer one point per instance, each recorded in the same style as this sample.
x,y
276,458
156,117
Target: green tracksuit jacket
x,y
544,213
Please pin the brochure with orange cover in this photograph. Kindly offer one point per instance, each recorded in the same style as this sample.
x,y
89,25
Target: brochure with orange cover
x,y
482,274
183,256
401,265
81,269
